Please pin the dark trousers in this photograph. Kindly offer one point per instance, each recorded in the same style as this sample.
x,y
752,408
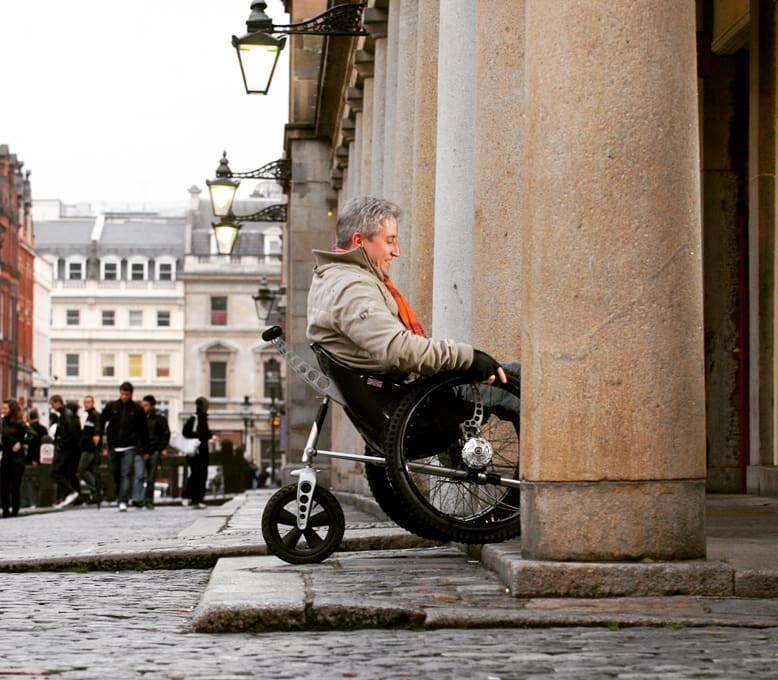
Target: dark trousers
x,y
198,475
87,467
63,471
123,466
11,473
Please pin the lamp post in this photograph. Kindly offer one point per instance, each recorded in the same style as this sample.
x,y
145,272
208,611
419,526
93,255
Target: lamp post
x,y
270,304
248,423
258,50
273,383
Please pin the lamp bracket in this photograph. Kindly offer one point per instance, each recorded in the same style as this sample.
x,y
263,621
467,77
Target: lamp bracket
x,y
273,213
345,19
280,170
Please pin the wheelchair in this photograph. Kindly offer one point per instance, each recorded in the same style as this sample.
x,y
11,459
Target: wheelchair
x,y
441,457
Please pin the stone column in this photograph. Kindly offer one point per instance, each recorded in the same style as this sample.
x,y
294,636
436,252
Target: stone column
x,y
613,401
761,235
419,245
499,178
389,99
451,313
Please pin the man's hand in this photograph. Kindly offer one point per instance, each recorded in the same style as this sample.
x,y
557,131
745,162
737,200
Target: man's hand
x,y
486,368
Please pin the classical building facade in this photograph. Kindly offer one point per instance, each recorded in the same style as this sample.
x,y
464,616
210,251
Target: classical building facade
x,y
146,298
590,189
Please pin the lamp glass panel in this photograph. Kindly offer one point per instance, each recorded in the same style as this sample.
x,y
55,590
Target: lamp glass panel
x,y
226,234
257,62
222,195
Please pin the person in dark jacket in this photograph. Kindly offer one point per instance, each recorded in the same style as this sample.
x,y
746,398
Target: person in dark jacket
x,y
146,463
12,433
66,452
197,426
35,433
91,434
126,432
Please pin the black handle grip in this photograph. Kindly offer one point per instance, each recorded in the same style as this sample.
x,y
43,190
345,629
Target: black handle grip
x,y
272,333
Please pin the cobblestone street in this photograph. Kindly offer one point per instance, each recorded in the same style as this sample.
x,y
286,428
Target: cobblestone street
x,y
137,624
78,623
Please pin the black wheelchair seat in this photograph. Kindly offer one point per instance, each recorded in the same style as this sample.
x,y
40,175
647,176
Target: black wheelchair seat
x,y
370,398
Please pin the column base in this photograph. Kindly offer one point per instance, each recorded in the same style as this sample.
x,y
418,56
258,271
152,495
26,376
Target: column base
x,y
613,521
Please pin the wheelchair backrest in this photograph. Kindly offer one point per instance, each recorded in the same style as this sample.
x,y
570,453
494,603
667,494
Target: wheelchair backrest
x,y
370,398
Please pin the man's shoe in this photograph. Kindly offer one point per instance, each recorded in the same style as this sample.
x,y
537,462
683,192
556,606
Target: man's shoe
x,y
200,506
122,507
149,506
68,500
186,501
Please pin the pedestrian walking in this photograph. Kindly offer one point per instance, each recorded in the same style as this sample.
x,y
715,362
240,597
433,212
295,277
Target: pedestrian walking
x,y
146,463
91,434
13,431
67,451
124,424
197,427
35,433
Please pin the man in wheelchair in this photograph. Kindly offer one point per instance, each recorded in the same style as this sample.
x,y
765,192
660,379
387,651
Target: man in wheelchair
x,y
357,315
358,320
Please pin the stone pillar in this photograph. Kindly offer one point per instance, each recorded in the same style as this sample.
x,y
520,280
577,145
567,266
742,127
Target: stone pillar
x,y
389,97
613,400
308,227
761,237
451,313
499,177
419,245
375,21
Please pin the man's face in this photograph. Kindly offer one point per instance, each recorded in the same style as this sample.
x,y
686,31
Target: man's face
x,y
148,408
384,246
88,402
125,396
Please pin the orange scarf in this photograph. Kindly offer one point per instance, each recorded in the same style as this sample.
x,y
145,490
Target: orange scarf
x,y
407,316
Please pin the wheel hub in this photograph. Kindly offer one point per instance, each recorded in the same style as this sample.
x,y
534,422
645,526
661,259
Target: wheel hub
x,y
477,453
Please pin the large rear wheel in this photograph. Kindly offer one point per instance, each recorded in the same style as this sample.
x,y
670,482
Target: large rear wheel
x,y
452,450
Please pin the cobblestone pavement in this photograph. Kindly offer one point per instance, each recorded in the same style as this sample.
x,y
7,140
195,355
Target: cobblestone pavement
x,y
78,626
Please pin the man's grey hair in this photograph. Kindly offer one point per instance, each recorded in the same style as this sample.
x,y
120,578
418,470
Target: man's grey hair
x,y
363,215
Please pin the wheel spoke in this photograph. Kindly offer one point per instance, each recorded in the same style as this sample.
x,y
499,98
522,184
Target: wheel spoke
x,y
313,539
287,518
292,537
319,519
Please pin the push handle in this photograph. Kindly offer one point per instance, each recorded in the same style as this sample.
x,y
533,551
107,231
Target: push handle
x,y
270,334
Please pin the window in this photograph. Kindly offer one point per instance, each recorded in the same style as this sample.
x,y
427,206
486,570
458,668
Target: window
x,y
108,317
75,271
163,365
218,311
107,365
71,365
165,271
163,318
137,271
135,365
136,318
72,317
218,379
110,271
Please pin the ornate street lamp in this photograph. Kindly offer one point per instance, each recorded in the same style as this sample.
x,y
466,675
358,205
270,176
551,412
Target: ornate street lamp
x,y
270,303
258,50
222,189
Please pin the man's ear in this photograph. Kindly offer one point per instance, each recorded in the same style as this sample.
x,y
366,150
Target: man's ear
x,y
356,240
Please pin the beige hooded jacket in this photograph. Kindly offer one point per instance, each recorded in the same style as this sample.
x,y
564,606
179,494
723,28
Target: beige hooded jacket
x,y
352,315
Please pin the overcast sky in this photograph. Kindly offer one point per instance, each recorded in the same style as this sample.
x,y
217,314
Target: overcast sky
x,y
132,102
